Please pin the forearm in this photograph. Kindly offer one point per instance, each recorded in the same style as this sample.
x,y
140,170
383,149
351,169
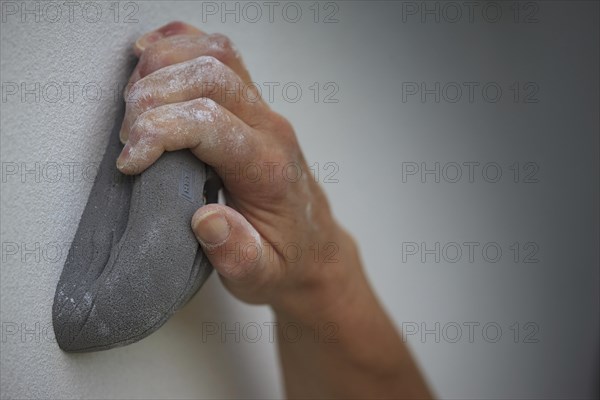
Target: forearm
x,y
348,348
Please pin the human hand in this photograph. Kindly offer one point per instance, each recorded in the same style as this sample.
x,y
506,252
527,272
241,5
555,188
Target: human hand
x,y
275,241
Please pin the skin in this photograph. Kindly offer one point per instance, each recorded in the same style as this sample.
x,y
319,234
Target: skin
x,y
276,241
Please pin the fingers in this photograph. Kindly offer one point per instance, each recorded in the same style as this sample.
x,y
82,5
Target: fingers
x,y
201,77
171,29
175,49
234,247
212,132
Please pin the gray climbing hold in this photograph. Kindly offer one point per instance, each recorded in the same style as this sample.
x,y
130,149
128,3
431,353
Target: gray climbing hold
x,y
134,260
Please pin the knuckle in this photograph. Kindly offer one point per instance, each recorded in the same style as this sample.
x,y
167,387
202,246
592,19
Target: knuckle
x,y
208,107
208,61
211,72
221,40
210,68
136,132
139,98
222,46
283,130
144,127
206,103
283,126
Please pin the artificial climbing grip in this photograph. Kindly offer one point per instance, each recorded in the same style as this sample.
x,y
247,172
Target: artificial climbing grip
x,y
134,260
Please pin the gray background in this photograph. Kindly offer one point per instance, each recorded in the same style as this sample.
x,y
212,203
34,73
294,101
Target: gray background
x,y
370,52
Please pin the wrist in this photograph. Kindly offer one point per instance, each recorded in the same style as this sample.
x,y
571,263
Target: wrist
x,y
327,286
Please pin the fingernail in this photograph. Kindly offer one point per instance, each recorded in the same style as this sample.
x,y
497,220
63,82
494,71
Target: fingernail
x,y
124,157
122,136
147,40
212,229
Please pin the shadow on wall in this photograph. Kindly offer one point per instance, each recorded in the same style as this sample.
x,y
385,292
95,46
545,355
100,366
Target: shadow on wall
x,y
180,346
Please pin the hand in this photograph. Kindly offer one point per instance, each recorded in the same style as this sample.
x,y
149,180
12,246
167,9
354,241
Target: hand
x,y
276,241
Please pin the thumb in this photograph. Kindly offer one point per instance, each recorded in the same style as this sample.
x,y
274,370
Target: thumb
x,y
234,247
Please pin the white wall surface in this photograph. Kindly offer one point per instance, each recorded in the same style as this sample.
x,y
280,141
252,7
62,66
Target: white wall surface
x,y
368,134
